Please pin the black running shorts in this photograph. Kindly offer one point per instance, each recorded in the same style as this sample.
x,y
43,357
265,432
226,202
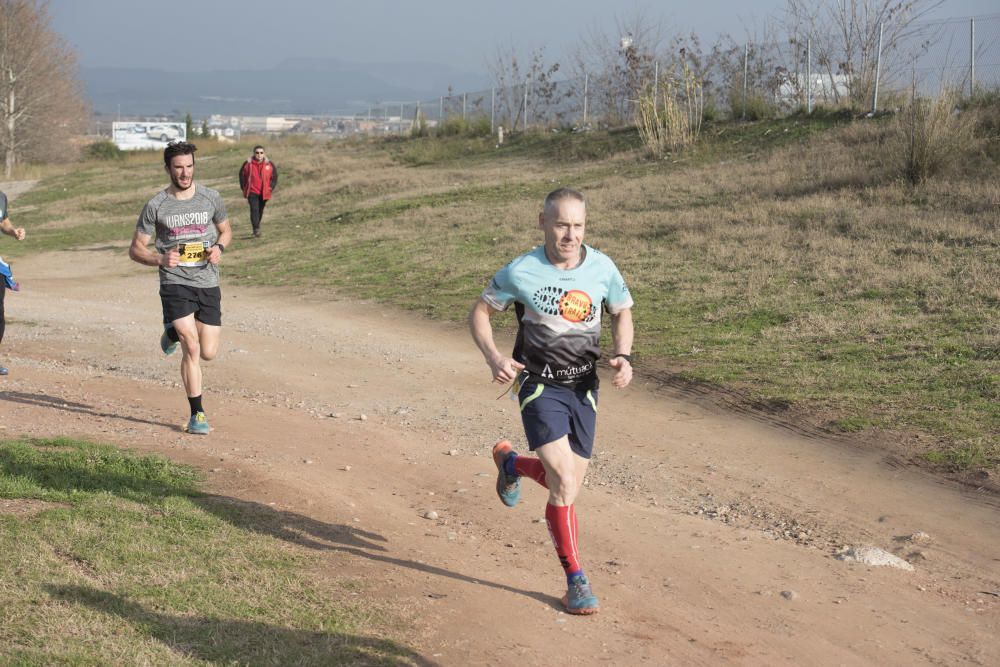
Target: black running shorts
x,y
549,412
182,300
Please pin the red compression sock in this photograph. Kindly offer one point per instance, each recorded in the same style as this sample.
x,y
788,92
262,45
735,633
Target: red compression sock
x,y
562,529
529,466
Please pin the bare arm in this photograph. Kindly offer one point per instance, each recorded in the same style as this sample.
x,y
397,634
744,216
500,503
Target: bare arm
x,y
139,252
621,334
504,369
7,228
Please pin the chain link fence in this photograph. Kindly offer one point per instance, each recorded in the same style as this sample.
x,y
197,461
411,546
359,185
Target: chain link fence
x,y
751,80
961,54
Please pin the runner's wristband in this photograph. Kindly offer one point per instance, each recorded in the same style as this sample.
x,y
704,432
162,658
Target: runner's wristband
x,y
626,357
222,248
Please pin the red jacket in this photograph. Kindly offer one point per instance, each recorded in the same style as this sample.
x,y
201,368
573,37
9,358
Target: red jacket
x,y
258,177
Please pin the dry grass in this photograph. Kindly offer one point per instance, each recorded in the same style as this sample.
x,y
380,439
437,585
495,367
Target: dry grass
x,y
793,267
669,118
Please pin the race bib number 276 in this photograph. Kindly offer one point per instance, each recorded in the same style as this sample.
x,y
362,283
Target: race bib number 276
x,y
193,254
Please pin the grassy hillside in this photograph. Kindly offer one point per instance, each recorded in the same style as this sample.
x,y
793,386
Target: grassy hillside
x,y
787,264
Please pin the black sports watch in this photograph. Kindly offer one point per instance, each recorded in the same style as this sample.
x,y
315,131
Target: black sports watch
x,y
626,357
222,248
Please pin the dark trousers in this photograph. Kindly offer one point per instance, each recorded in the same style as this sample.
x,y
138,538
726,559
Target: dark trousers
x,y
3,322
257,205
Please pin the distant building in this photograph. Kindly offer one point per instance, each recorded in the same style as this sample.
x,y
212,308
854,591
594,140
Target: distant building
x,y
826,89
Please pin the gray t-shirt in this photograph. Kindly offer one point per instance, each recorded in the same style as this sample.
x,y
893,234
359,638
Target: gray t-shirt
x,y
3,206
189,224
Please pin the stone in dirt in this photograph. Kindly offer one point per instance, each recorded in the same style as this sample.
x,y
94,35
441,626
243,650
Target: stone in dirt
x,y
874,556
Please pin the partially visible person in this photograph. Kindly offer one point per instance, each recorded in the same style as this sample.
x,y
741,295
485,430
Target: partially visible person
x,y
258,178
18,233
191,232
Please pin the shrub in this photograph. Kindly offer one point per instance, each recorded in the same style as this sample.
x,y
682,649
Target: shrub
x,y
710,112
756,108
460,127
931,134
420,128
673,121
104,150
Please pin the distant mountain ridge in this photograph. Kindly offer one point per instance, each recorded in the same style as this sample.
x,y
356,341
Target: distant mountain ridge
x,y
311,86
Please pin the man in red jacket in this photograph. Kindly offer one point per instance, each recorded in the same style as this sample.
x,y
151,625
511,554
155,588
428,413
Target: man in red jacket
x,y
258,177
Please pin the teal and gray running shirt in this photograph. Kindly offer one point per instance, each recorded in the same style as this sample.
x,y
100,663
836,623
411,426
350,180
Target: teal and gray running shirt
x,y
188,224
559,312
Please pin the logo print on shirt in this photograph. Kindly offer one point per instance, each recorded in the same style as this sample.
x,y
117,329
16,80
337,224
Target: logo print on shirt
x,y
547,372
572,305
575,305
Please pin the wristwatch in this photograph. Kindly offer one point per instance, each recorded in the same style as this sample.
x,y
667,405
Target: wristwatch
x,y
222,248
626,357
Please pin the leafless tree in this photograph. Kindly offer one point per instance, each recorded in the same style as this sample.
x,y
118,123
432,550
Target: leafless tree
x,y
845,38
511,75
40,102
620,62
759,61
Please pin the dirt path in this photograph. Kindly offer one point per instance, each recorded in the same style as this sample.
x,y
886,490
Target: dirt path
x,y
14,188
350,422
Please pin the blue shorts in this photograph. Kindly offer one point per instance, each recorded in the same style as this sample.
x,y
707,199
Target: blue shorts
x,y
548,413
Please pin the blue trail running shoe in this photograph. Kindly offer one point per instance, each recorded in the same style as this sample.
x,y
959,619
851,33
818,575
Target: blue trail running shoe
x,y
168,346
580,599
198,424
508,486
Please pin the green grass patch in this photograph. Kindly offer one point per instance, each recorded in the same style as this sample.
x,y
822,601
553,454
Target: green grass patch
x,y
115,558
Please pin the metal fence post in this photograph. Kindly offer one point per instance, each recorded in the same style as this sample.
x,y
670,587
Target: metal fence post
x,y
526,105
746,70
878,70
809,77
972,56
656,83
440,108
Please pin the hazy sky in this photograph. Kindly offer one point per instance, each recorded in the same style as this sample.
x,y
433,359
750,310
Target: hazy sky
x,y
200,35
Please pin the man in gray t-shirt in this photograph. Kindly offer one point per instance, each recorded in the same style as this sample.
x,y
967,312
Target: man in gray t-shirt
x,y
191,231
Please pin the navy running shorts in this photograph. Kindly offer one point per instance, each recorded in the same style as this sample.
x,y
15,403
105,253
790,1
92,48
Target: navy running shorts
x,y
549,412
182,300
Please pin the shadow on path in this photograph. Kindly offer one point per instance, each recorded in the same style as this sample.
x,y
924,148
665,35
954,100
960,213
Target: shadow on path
x,y
311,533
46,401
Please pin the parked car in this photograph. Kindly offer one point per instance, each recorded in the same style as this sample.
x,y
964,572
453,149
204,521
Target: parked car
x,y
163,133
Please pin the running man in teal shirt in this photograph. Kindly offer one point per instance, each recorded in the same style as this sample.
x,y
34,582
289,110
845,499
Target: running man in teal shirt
x,y
559,291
